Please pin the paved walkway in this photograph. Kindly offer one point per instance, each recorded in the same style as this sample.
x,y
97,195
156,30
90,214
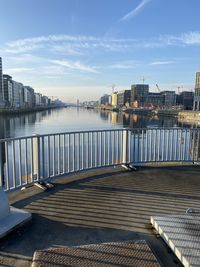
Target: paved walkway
x,y
110,205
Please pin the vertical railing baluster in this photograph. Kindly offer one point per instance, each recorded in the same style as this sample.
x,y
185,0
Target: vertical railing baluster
x,y
43,157
74,152
7,166
64,158
13,164
20,162
58,154
49,159
53,154
150,145
96,148
68,157
100,149
31,154
104,144
82,166
87,151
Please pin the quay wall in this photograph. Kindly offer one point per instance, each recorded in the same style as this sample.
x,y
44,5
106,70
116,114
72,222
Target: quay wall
x,y
8,111
190,117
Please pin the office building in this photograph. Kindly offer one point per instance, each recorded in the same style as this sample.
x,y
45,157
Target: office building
x,y
17,90
186,99
196,104
29,98
154,100
1,84
105,100
7,90
138,93
123,98
169,98
114,99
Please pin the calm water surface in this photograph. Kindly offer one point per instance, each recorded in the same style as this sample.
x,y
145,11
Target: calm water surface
x,y
69,119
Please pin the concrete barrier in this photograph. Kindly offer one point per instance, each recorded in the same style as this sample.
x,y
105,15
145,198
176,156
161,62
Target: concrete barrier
x,y
10,217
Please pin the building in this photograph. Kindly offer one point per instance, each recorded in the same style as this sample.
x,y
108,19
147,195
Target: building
x,y
44,101
105,100
1,84
169,98
196,104
124,98
139,92
154,100
17,90
186,99
7,90
38,99
29,98
114,99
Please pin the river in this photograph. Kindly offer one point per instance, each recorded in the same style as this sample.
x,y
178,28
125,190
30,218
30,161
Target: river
x,y
72,119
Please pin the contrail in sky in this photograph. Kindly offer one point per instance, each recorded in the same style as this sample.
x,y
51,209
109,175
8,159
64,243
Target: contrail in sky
x,y
135,11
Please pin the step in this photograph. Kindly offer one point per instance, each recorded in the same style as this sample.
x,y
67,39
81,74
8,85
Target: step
x,y
129,253
182,235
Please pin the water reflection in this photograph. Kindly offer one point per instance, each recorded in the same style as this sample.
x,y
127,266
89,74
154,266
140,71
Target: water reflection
x,y
69,119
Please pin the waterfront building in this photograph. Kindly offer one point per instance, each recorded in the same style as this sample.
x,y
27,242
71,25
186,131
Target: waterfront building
x,y
7,90
38,99
1,84
196,104
114,99
186,99
29,98
123,98
44,101
169,98
17,90
154,100
139,92
105,100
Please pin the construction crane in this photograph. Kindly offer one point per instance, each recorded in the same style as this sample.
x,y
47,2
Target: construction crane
x,y
158,88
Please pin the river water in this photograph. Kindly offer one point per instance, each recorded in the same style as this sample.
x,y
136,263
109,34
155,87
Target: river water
x,y
72,119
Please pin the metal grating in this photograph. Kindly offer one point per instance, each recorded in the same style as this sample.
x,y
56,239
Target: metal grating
x,y
137,254
182,234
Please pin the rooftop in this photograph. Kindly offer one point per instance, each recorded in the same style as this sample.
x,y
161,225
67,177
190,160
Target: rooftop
x,y
101,206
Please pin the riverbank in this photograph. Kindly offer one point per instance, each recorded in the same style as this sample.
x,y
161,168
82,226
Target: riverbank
x,y
189,117
8,111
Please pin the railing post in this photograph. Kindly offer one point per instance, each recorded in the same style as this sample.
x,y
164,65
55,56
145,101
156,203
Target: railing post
x,y
36,156
2,161
125,146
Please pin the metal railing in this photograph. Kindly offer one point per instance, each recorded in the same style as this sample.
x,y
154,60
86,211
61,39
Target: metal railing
x,y
26,160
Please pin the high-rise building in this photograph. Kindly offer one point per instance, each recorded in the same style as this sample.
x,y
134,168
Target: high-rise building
x,y
123,98
196,105
7,90
169,98
185,99
138,93
1,84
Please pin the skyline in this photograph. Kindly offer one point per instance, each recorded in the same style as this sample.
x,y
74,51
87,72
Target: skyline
x,y
78,50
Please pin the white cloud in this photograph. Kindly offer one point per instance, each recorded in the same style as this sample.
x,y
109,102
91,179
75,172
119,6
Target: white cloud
x,y
135,11
74,65
162,62
77,46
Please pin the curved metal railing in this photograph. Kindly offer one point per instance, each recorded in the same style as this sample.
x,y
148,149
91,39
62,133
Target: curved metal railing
x,y
26,160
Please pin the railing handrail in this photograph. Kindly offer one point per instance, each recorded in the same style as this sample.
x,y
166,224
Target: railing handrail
x,y
97,130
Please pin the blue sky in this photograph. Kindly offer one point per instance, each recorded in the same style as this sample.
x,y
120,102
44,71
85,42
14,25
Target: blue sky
x,y
78,48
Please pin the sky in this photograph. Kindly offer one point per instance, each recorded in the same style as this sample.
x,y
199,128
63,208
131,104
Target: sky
x,y
78,49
